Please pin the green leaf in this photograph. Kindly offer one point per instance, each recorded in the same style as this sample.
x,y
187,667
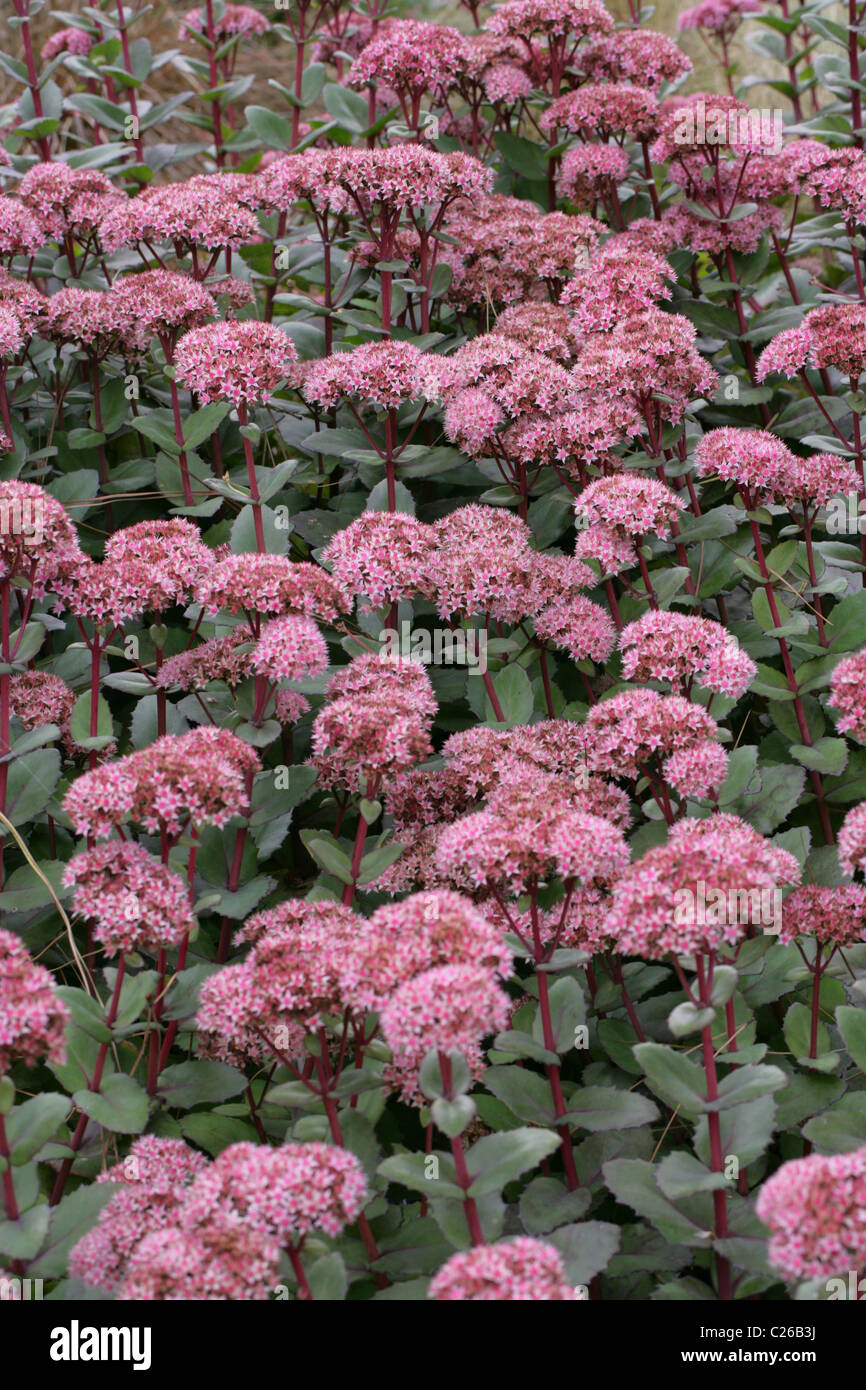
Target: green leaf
x,y
681,1175
517,1044
71,1219
672,1076
348,108
526,1094
586,1249
852,1025
514,693
826,755
453,1116
847,627
22,1239
546,1203
328,854
841,1128
31,784
688,1018
213,1133
567,1012
203,423
747,1083
274,131
499,1158
120,1104
79,723
197,1083
328,1279
411,1170
604,1107
633,1182
31,1125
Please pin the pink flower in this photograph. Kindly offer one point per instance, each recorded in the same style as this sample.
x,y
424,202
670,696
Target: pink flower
x,y
198,777
625,732
589,172
38,698
483,564
241,362
848,695
282,1193
528,834
412,58
836,916
376,723
833,335
218,1263
152,1178
697,771
618,281
161,303
633,502
541,326
289,649
383,373
227,659
64,200
296,967
37,537
188,215
754,459
720,17
423,931
94,319
699,890
76,41
234,20
679,648
20,231
233,1024
173,547
451,1008
634,55
852,840
383,555
583,628
645,355
32,1018
605,109
271,584
815,1208
517,1271
135,902
551,18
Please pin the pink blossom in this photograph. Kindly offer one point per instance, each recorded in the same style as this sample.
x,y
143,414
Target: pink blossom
x,y
198,777
657,903
281,1193
218,1263
383,373
835,916
241,362
135,902
383,555
815,1208
32,1017
517,1271
450,1008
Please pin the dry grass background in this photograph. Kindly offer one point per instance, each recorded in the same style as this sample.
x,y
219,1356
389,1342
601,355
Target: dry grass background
x,y
270,57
